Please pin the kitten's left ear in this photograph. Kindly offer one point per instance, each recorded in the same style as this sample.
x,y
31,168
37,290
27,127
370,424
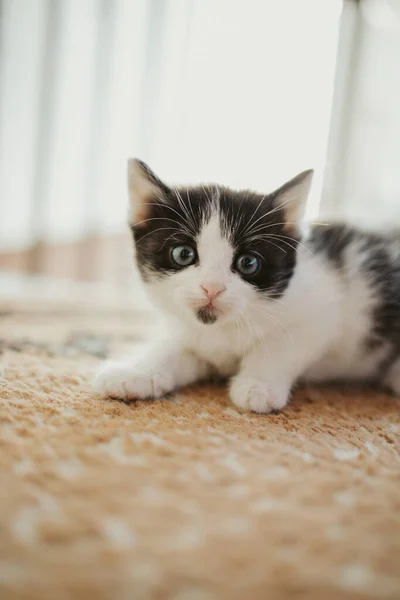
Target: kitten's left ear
x,y
292,197
144,187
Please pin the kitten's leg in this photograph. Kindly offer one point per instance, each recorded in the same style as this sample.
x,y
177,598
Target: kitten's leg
x,y
265,378
152,372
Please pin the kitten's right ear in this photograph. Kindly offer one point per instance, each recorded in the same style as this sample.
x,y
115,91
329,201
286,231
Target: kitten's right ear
x,y
143,187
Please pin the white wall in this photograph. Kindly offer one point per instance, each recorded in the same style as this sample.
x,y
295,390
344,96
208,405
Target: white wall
x,y
237,91
253,103
72,77
363,185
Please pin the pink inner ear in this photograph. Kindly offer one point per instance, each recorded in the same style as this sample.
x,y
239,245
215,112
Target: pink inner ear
x,y
139,214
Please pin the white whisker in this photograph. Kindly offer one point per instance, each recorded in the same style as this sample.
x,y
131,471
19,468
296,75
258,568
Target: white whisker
x,y
152,232
185,208
273,318
254,213
280,206
158,219
268,240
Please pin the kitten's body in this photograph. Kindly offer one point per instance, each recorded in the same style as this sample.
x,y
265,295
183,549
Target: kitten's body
x,y
323,305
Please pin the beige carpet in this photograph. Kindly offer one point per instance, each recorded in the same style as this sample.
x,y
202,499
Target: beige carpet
x,y
184,498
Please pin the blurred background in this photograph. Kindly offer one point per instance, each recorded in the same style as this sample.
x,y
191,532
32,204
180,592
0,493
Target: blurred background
x,y
241,92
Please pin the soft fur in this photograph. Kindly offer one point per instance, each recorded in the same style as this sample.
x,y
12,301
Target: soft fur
x,y
323,304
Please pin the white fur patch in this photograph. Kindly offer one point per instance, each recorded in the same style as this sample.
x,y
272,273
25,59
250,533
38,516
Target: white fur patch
x,y
215,253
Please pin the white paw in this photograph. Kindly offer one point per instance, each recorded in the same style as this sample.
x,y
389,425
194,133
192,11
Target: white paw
x,y
257,395
128,382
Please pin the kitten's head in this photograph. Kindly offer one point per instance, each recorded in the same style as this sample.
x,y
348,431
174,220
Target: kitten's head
x,y
210,254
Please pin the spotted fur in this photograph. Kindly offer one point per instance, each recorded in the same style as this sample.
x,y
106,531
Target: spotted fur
x,y
322,303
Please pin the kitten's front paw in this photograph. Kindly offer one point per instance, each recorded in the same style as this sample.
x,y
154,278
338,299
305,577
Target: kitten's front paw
x,y
257,395
127,382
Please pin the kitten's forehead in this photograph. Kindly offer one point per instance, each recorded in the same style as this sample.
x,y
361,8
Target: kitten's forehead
x,y
213,246
232,211
193,207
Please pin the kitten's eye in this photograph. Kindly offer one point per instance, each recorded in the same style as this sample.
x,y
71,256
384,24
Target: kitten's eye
x,y
183,256
247,265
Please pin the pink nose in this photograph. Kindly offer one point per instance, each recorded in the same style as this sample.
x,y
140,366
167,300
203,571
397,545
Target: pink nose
x,y
212,290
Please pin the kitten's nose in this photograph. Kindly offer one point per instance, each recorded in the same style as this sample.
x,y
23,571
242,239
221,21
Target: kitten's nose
x,y
212,290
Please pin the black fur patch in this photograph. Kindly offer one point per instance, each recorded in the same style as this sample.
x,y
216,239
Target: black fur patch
x,y
254,225
174,218
383,270
332,241
206,316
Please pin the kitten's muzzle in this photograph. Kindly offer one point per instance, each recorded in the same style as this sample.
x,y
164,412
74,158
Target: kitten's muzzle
x,y
208,313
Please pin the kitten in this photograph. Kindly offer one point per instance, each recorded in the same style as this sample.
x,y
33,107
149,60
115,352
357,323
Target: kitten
x,y
249,294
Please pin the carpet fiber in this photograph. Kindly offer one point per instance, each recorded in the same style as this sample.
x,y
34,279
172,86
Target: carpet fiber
x,y
184,498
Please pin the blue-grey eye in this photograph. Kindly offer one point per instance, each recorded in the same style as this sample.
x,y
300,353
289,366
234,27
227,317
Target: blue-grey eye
x,y
183,255
247,264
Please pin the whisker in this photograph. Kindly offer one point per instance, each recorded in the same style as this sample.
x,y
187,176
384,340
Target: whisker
x,y
169,238
275,320
269,225
243,330
206,194
164,205
158,219
276,208
180,224
272,211
236,226
269,241
254,213
298,242
283,223
261,256
258,333
254,329
184,208
273,290
267,238
155,231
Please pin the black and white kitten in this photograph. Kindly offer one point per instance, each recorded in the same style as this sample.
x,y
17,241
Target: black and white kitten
x,y
249,294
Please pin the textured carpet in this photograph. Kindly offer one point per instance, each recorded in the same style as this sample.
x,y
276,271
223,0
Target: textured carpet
x,y
184,498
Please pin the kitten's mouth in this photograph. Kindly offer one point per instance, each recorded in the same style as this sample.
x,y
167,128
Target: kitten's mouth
x,y
207,315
